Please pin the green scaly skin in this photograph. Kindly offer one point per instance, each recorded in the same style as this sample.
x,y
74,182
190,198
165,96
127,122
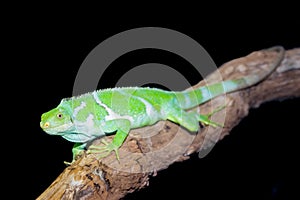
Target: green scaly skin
x,y
83,118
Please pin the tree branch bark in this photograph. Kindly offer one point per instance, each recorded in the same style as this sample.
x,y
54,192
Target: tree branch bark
x,y
153,148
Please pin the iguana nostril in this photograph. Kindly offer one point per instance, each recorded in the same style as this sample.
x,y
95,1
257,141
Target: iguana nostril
x,y
45,125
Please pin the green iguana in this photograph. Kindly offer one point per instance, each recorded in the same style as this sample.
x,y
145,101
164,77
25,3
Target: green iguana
x,y
83,118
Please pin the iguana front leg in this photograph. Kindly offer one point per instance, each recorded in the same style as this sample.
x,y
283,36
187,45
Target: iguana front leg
x,y
77,149
122,126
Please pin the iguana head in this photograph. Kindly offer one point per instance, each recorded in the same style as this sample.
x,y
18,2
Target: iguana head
x,y
57,121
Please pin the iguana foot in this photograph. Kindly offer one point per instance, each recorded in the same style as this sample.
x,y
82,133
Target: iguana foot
x,y
205,118
104,150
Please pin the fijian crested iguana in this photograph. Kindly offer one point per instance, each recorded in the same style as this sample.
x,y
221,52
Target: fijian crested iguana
x,y
83,118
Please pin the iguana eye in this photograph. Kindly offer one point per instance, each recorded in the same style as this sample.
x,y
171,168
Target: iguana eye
x,y
59,115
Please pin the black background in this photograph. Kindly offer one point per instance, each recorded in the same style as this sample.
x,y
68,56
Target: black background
x,y
44,51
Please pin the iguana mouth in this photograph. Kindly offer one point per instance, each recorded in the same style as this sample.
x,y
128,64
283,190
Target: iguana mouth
x,y
57,130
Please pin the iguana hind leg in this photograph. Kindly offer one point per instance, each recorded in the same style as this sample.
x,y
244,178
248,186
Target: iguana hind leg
x,y
183,118
190,120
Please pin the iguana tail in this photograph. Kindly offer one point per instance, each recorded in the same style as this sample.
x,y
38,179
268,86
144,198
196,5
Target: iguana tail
x,y
192,98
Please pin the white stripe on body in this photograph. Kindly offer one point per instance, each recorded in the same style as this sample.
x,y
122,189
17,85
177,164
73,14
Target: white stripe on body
x,y
111,114
187,99
77,109
150,111
149,107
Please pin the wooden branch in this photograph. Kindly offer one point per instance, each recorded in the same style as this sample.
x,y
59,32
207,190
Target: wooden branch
x,y
151,149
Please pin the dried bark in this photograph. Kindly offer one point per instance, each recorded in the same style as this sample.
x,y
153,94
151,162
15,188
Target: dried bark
x,y
151,149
